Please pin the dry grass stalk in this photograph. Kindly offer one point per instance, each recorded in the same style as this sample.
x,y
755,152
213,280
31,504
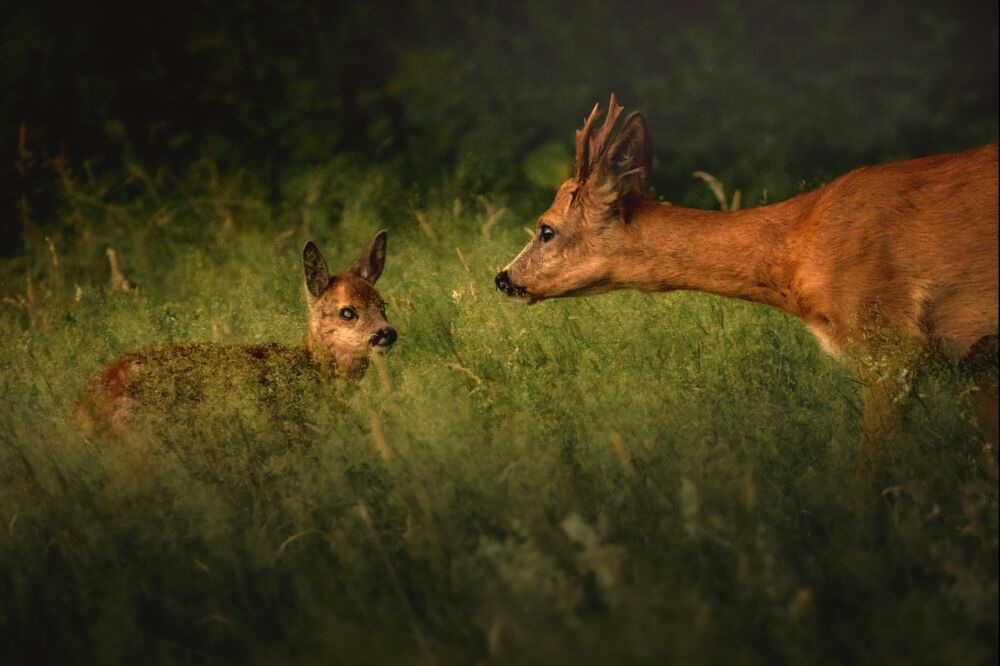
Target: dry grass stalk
x,y
383,373
378,437
361,511
52,252
424,223
290,540
468,373
493,215
118,281
624,458
461,258
719,191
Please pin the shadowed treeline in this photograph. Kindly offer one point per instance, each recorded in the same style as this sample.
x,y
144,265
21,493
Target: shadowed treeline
x,y
445,87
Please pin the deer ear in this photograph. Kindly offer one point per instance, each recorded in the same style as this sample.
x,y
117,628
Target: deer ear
x,y
625,165
370,263
317,274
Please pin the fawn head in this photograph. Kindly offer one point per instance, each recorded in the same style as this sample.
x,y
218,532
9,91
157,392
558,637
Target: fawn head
x,y
346,315
576,242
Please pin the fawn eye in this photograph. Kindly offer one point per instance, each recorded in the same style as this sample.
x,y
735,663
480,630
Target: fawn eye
x,y
348,313
546,233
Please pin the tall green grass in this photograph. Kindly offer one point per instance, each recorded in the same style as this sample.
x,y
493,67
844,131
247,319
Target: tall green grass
x,y
627,478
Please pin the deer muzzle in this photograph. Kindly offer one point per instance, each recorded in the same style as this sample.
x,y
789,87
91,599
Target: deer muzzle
x,y
505,285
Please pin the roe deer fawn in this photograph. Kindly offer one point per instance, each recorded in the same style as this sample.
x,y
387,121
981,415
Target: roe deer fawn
x,y
882,264
346,325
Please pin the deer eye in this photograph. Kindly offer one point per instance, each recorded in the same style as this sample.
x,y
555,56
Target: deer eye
x,y
546,233
348,313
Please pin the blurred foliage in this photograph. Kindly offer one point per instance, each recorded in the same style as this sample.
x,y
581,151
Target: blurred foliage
x,y
800,92
548,166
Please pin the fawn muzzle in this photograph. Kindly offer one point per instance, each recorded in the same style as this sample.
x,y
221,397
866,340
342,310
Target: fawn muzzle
x,y
384,338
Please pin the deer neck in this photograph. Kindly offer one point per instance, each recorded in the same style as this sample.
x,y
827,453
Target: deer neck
x,y
740,254
318,355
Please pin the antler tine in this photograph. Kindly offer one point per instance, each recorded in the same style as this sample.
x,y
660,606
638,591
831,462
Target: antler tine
x,y
598,141
583,143
589,146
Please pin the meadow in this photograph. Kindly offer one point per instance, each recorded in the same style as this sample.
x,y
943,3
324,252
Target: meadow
x,y
621,479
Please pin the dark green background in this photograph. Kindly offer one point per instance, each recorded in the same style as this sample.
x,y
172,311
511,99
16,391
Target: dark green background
x,y
799,92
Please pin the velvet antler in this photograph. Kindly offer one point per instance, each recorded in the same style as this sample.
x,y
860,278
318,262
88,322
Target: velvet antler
x,y
590,145
583,144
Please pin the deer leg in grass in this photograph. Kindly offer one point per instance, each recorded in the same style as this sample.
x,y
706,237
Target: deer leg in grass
x,y
987,411
981,363
887,381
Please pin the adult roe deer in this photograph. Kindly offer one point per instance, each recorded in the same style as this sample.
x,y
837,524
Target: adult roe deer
x,y
346,325
882,264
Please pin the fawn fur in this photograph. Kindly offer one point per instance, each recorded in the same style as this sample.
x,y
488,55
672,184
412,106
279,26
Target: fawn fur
x,y
347,324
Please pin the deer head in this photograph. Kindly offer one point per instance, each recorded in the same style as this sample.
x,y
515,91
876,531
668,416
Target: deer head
x,y
573,250
346,315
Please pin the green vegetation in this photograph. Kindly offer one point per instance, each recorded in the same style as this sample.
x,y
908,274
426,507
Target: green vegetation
x,y
621,479
627,478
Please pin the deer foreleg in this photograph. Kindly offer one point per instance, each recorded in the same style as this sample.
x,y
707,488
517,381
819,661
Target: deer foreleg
x,y
886,383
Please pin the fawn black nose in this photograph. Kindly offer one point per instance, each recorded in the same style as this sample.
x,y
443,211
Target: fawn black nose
x,y
384,337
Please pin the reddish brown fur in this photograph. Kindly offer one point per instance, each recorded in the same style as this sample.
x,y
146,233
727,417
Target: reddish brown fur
x,y
909,245
334,345
903,252
345,346
113,393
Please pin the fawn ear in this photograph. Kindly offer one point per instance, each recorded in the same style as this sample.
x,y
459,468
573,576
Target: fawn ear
x,y
370,263
624,167
317,274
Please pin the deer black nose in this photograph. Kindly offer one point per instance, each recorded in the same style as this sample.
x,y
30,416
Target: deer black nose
x,y
506,286
503,281
384,337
